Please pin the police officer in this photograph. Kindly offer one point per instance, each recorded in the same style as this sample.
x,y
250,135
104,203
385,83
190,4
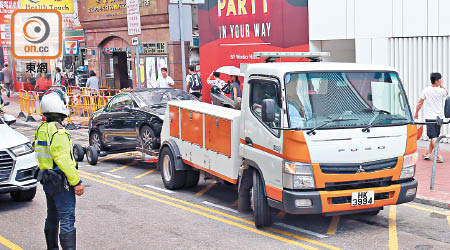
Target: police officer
x,y
58,171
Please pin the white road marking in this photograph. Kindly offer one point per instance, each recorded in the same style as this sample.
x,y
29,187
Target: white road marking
x,y
113,175
301,230
160,189
219,206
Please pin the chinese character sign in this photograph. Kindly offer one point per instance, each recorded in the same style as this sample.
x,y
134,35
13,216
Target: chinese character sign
x,y
133,18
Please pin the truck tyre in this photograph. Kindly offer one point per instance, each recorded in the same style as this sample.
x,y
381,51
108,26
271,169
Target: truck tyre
x,y
172,178
192,178
261,210
24,195
92,155
78,152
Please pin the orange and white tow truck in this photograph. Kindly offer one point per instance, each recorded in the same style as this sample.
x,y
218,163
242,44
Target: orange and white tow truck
x,y
310,138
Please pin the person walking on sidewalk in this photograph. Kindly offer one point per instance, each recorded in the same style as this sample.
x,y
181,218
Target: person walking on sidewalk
x,y
57,171
7,79
164,81
194,83
432,100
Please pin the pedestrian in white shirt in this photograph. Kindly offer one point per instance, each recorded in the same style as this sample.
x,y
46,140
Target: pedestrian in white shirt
x,y
432,98
92,82
164,81
216,81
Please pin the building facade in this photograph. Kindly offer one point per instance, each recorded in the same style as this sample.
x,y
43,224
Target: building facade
x,y
413,36
109,47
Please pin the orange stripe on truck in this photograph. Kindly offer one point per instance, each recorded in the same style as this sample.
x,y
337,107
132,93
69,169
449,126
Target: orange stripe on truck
x,y
274,193
411,140
223,177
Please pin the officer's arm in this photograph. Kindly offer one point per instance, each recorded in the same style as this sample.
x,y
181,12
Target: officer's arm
x,y
61,153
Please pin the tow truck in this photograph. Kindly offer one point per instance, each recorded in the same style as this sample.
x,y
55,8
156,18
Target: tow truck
x,y
310,138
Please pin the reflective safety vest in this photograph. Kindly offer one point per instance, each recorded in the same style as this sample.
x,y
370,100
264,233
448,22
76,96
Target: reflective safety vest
x,y
53,146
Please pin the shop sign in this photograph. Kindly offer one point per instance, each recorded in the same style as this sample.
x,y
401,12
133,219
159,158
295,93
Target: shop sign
x,y
113,8
112,50
231,30
133,18
5,55
71,48
63,6
6,8
154,48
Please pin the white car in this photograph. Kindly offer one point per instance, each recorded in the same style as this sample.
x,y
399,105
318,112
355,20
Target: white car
x,y
18,162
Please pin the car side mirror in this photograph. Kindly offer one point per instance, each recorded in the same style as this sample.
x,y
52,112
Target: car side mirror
x,y
447,107
9,119
268,110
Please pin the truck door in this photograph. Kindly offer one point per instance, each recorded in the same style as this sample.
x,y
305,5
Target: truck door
x,y
262,142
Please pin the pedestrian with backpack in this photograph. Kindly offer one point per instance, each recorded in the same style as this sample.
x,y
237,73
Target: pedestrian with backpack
x,y
194,83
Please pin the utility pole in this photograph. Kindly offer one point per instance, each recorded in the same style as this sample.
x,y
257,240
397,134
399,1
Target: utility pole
x,y
183,59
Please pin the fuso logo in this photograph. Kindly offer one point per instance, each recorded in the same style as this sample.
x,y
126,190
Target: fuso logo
x,y
36,34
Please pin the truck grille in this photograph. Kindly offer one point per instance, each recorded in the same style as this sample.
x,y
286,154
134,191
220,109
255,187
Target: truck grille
x,y
353,168
372,183
6,166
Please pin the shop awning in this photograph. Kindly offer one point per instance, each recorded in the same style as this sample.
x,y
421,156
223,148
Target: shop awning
x,y
74,35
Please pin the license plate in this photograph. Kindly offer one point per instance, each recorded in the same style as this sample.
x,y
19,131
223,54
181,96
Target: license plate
x,y
363,198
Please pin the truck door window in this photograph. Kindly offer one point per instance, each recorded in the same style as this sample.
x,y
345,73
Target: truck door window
x,y
260,90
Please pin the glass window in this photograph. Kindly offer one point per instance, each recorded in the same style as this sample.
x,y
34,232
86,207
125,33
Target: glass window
x,y
119,102
260,90
357,99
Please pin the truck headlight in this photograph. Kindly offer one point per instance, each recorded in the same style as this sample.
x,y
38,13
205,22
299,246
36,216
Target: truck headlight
x,y
409,166
298,175
22,149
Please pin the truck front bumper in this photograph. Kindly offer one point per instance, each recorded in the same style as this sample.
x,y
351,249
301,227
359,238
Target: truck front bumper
x,y
334,202
7,188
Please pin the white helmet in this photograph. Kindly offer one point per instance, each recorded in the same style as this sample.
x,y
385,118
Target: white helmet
x,y
54,102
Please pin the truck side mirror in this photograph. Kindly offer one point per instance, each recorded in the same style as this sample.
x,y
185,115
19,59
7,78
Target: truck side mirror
x,y
268,110
447,107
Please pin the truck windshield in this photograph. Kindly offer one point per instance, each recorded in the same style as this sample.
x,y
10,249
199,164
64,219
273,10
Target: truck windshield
x,y
358,99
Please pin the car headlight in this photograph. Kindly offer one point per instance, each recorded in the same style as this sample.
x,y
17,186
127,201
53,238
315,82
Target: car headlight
x,y
298,175
22,149
409,166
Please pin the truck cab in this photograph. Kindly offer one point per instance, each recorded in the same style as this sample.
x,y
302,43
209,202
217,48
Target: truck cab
x,y
310,138
329,138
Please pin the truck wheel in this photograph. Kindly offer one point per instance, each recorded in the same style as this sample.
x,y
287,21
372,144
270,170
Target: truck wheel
x,y
78,152
261,210
192,178
24,195
92,155
172,178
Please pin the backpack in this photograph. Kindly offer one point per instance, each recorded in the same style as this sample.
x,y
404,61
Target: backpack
x,y
195,82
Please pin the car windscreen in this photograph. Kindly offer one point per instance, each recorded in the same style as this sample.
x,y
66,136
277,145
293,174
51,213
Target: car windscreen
x,y
154,97
356,98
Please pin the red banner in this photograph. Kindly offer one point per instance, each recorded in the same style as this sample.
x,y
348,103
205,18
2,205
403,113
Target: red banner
x,y
231,30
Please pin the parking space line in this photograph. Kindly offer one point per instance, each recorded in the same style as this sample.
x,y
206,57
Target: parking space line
x,y
203,208
160,189
427,209
221,207
113,175
146,173
9,244
213,217
206,189
393,240
333,225
123,167
301,230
